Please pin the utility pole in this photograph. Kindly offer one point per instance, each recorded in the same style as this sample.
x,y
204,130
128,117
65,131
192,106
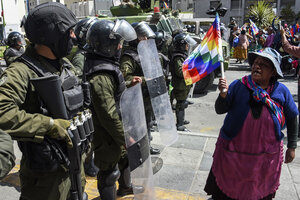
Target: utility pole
x,y
2,13
95,8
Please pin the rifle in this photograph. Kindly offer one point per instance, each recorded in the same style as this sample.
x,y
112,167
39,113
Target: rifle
x,y
55,105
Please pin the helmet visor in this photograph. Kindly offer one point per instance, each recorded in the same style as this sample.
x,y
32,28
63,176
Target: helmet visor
x,y
22,41
143,31
191,42
123,29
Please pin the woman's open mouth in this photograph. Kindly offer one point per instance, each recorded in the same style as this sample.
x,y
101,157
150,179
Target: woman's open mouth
x,y
256,72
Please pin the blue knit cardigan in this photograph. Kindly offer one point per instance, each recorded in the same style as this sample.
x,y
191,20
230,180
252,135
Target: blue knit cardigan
x,y
238,100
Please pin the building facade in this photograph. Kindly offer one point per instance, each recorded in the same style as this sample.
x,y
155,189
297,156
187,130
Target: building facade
x,y
182,5
12,14
239,8
80,8
30,4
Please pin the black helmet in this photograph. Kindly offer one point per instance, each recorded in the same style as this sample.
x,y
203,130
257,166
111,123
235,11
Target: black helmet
x,y
181,39
15,39
159,39
142,30
49,24
104,36
81,29
188,28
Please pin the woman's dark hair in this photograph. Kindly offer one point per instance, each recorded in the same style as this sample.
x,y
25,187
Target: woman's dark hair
x,y
243,32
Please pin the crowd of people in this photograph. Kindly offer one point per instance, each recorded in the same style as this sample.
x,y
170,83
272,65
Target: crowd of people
x,y
244,39
249,150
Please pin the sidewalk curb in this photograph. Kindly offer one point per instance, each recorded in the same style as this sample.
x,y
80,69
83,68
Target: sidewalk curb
x,y
197,134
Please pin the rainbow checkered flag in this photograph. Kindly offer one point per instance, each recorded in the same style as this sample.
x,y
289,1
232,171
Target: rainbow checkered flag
x,y
166,5
253,27
206,57
244,27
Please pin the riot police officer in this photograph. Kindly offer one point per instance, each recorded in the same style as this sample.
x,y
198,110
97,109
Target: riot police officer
x,y
15,41
160,40
23,115
131,68
104,43
80,31
182,42
77,60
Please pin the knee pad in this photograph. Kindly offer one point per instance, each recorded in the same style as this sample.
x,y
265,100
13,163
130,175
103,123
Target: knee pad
x,y
112,177
109,179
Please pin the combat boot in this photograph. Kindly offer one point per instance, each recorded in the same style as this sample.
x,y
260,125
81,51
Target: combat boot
x,y
180,121
154,151
189,102
185,122
182,128
125,186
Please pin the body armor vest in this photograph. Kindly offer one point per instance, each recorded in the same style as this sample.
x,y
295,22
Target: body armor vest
x,y
165,64
93,66
135,56
43,157
70,85
139,71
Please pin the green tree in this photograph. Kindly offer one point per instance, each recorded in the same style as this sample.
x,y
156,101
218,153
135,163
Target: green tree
x,y
288,14
262,14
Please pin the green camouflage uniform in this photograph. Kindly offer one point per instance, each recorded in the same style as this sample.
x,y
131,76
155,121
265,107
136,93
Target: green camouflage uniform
x,y
180,89
20,117
131,68
78,61
108,141
7,157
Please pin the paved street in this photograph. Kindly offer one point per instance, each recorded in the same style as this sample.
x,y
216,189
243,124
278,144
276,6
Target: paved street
x,y
187,162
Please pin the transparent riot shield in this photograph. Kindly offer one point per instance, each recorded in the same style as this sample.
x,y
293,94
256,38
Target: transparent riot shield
x,y
137,143
158,91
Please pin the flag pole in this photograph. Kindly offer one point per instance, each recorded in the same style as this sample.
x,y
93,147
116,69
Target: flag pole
x,y
222,62
221,50
221,53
